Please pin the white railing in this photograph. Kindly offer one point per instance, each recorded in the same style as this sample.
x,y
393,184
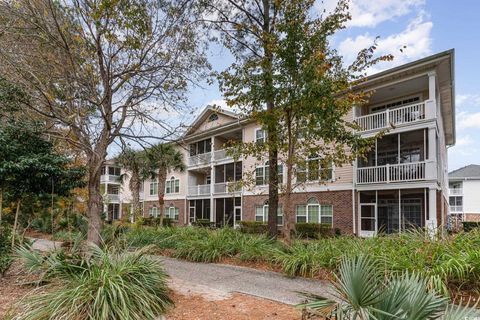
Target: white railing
x,y
200,159
109,178
141,195
227,187
392,117
220,155
455,191
456,208
199,190
112,197
392,173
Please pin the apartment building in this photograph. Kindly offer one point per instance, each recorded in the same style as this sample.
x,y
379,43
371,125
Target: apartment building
x,y
464,193
402,183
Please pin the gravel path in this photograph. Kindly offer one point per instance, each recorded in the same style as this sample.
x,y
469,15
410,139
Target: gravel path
x,y
226,279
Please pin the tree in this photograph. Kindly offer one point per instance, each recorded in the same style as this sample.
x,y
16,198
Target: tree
x,y
248,28
135,162
286,73
29,165
107,69
164,158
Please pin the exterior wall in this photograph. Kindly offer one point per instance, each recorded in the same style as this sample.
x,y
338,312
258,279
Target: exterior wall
x,y
472,217
340,200
206,125
180,204
471,197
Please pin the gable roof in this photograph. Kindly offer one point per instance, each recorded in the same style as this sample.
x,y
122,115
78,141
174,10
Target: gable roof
x,y
470,171
206,113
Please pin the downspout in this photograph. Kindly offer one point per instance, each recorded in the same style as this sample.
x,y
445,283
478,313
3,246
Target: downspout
x,y
353,198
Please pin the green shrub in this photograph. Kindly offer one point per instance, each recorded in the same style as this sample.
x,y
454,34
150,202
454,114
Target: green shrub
x,y
5,249
253,227
105,284
313,230
66,235
470,225
204,223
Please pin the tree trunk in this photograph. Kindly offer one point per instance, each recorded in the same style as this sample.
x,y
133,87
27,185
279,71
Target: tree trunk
x,y
135,189
271,124
289,214
162,177
95,203
1,205
17,213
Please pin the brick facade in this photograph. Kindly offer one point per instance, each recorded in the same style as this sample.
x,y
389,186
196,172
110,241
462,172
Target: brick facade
x,y
341,202
473,217
180,204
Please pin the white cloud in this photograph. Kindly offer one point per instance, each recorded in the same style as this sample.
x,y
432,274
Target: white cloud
x,y
370,13
464,141
467,100
415,42
467,120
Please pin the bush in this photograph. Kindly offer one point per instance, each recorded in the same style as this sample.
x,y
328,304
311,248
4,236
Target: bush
x,y
203,223
314,230
5,249
470,225
105,284
66,235
253,227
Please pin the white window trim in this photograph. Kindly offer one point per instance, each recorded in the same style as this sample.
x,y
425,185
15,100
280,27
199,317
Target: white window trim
x,y
264,171
153,213
264,135
150,188
169,181
320,168
175,210
309,205
385,102
265,214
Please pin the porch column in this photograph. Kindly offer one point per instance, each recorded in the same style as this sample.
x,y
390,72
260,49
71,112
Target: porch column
x,y
212,200
430,104
432,223
431,161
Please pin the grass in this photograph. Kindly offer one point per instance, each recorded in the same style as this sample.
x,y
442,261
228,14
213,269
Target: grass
x,y
450,263
107,283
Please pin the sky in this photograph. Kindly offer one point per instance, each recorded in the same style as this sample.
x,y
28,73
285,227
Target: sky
x,y
425,27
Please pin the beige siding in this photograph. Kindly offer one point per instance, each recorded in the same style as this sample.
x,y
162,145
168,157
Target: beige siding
x,y
207,125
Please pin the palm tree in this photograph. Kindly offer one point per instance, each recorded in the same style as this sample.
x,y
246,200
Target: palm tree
x,y
363,292
135,163
164,158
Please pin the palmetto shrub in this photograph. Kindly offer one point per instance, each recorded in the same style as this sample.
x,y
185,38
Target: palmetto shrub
x,y
103,284
363,292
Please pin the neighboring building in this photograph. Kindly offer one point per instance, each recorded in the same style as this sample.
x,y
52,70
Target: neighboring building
x,y
402,183
464,193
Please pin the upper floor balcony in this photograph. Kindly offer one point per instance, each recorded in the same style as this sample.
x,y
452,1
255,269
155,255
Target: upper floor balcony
x,y
200,190
108,178
455,191
402,172
395,117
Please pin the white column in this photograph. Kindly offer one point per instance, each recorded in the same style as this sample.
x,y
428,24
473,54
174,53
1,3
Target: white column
x,y
430,104
431,223
432,162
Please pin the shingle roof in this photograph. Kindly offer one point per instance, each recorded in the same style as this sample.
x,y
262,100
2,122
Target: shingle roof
x,y
470,171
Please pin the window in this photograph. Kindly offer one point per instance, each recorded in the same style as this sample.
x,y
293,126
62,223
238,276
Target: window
x,y
313,212
261,214
213,117
312,170
262,172
396,104
172,185
172,212
114,171
201,147
260,136
153,188
113,211
103,170
153,212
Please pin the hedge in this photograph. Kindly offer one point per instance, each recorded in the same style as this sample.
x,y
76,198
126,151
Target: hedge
x,y
253,227
315,230
470,225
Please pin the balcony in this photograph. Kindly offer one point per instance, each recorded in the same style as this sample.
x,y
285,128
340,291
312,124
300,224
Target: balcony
x,y
227,187
200,159
455,191
221,155
456,209
414,171
199,190
392,117
104,178
112,197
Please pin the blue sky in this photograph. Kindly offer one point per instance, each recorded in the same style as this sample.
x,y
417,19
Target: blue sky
x,y
424,27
